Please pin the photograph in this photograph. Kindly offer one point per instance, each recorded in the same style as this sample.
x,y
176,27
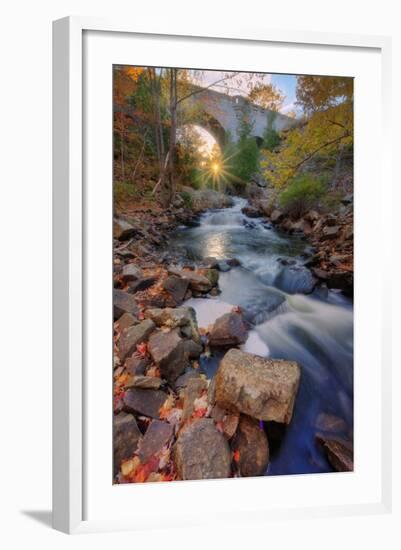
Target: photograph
x,y
232,273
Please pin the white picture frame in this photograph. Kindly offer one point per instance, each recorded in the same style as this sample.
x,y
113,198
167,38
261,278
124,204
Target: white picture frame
x,y
70,249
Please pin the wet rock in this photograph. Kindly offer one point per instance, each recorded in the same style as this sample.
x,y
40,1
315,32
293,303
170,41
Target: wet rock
x,y
176,317
212,275
156,437
146,402
193,349
339,453
223,266
131,272
262,388
133,336
251,212
326,422
211,262
233,262
193,390
251,443
167,350
146,382
136,364
295,279
176,287
320,273
123,303
126,436
198,283
202,452
228,330
122,230
343,280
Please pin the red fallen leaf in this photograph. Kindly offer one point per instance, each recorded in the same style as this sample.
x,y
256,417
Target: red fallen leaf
x,y
200,413
142,349
236,309
141,316
236,456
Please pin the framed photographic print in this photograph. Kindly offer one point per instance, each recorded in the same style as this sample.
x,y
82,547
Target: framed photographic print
x,y
219,334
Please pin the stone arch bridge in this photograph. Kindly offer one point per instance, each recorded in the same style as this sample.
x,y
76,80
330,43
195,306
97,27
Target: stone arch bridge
x,y
222,115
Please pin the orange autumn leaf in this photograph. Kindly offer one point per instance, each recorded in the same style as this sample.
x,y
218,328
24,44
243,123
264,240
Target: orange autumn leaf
x,y
142,349
236,456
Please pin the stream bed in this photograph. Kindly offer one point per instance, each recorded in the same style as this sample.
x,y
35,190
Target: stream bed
x,y
314,329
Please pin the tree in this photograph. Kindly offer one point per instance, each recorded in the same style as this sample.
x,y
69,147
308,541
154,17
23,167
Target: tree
x,y
267,96
328,127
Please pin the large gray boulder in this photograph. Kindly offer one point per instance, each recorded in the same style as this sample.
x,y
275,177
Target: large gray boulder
x,y
132,336
167,350
261,388
176,287
202,452
146,402
183,317
126,437
123,303
295,279
228,330
253,449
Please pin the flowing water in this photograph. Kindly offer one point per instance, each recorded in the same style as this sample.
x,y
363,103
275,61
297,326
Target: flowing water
x,y
314,329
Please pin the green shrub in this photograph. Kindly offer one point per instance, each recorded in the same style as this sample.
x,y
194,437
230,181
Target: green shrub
x,y
245,161
302,194
187,198
271,139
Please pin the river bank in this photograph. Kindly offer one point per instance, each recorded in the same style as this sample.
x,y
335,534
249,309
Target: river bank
x,y
189,300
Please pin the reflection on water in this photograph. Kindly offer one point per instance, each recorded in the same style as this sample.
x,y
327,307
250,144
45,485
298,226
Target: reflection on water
x,y
316,330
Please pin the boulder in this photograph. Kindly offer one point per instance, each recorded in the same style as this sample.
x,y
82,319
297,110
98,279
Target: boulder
x,y
202,452
126,320
123,230
228,330
212,275
136,364
123,303
146,382
342,280
146,402
183,380
167,350
176,287
141,284
251,443
156,437
277,215
131,272
223,266
326,422
197,282
295,279
330,232
262,388
176,317
126,436
132,336
193,390
192,349
251,212
339,453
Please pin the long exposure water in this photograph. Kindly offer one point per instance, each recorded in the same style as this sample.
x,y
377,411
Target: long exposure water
x,y
315,329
